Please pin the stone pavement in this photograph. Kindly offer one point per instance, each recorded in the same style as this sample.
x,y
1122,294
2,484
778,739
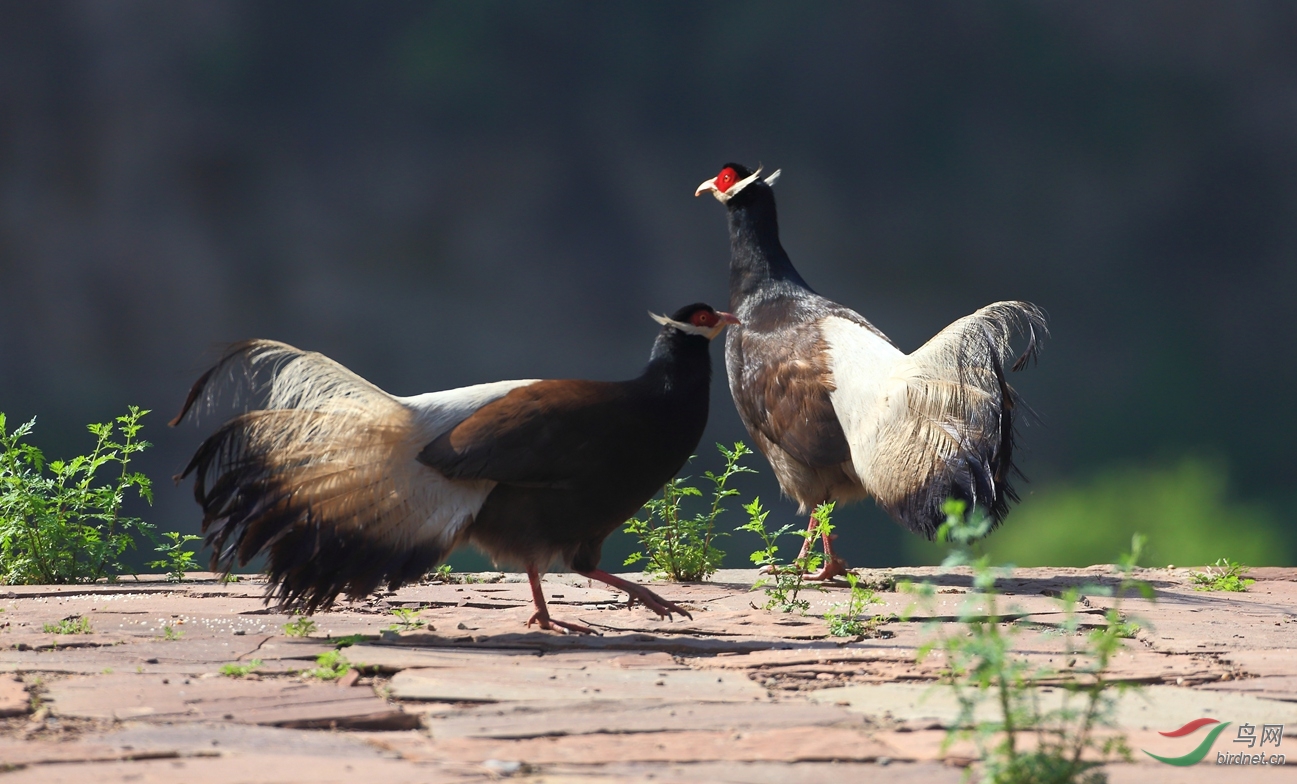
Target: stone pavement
x,y
738,694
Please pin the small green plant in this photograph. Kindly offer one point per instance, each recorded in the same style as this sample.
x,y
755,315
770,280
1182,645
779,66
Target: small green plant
x,y
77,624
230,578
407,620
175,559
58,524
675,545
329,666
850,621
237,670
981,668
171,633
442,574
301,626
1226,576
350,639
784,582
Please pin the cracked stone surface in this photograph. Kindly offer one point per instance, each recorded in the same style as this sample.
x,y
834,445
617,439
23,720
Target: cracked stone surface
x,y
466,692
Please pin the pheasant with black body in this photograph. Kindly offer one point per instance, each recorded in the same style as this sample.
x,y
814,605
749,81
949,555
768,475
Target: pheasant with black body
x,y
347,488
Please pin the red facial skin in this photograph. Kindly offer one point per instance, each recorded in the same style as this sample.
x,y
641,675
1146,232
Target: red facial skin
x,y
726,179
711,318
704,318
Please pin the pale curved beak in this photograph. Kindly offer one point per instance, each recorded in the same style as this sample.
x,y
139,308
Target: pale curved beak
x,y
708,185
728,318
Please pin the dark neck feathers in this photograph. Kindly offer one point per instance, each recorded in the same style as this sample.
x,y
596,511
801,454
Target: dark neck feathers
x,y
680,364
757,260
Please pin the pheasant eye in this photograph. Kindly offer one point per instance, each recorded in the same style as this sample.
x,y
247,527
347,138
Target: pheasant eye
x,y
702,319
726,178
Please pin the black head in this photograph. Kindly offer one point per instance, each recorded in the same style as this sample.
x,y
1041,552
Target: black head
x,y
697,319
735,178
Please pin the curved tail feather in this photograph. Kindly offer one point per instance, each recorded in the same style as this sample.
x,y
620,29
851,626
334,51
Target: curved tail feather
x,y
946,430
324,479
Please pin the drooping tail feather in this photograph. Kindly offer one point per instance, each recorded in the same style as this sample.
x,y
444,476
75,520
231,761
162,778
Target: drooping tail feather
x,y
953,436
323,479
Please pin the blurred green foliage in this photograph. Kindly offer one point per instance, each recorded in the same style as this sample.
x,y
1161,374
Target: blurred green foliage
x,y
1184,509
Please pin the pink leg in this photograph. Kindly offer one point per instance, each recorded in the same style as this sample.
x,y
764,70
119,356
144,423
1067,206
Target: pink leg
x,y
809,540
833,566
650,600
541,616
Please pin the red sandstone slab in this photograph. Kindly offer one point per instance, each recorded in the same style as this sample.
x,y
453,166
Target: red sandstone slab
x,y
821,654
540,719
408,655
792,744
730,772
121,659
14,699
1273,661
272,702
17,753
488,683
265,768
507,637
1224,630
1274,687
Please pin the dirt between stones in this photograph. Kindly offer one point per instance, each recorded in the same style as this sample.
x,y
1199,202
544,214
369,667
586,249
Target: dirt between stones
x,y
465,692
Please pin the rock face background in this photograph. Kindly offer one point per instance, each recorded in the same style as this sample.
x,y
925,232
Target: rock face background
x,y
444,194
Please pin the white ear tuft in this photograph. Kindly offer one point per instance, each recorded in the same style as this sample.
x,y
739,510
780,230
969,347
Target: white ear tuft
x,y
743,183
688,329
773,178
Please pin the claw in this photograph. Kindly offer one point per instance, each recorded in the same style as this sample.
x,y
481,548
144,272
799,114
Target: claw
x,y
656,603
547,623
541,616
833,567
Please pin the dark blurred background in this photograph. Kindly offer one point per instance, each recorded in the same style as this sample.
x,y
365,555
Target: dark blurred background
x,y
439,194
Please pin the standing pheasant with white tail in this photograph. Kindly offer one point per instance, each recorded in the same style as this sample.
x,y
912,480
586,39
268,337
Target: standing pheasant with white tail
x,y
839,411
346,488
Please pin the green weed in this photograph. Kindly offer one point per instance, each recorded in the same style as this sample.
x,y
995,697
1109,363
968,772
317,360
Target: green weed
x,y
171,633
407,620
236,670
1226,576
677,546
329,666
175,559
301,626
350,639
57,524
442,574
850,621
77,624
982,669
784,582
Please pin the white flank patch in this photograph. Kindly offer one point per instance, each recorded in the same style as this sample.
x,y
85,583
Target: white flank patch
x,y
437,412
865,369
448,504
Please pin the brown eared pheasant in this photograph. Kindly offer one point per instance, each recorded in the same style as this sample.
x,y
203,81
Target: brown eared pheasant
x,y
840,412
346,488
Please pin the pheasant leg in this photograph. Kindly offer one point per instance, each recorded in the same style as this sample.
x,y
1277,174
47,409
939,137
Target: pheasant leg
x,y
833,566
638,592
541,616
